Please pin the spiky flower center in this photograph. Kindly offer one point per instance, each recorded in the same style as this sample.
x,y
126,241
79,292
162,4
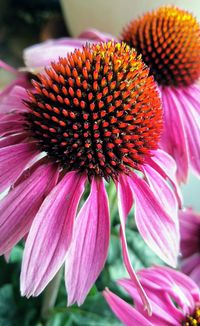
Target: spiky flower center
x,y
96,110
169,41
193,320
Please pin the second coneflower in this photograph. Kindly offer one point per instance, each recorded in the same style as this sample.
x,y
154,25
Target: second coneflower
x,y
169,41
95,115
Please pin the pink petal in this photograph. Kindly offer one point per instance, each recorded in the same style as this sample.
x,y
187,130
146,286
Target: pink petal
x,y
19,207
191,120
193,94
13,160
177,285
173,138
124,311
88,251
12,140
14,100
125,202
94,34
50,234
166,197
163,311
166,166
157,228
22,81
44,53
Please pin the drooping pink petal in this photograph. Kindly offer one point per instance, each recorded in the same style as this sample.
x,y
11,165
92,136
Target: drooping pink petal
x,y
157,228
13,160
191,120
87,254
173,139
19,207
124,311
94,34
11,124
163,192
125,201
44,53
164,311
166,166
50,234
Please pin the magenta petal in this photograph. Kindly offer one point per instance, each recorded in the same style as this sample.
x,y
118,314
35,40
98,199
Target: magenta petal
x,y
166,166
19,207
173,138
124,311
162,309
191,120
94,34
87,254
157,228
166,196
44,53
12,140
14,100
50,234
177,285
13,160
125,203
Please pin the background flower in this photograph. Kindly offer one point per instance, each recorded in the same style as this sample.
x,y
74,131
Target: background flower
x,y
174,298
190,243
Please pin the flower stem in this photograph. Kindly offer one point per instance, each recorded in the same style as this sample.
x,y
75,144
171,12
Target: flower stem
x,y
50,295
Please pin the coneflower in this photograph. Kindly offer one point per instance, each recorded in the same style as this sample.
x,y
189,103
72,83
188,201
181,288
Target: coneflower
x,y
169,40
94,115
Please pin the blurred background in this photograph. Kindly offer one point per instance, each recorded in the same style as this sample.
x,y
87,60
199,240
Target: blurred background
x,y
24,23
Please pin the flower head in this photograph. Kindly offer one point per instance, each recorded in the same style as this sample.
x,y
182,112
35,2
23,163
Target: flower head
x,y
96,111
175,299
169,40
190,243
94,114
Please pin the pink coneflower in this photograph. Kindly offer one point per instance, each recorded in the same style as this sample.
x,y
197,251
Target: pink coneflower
x,y
174,297
169,40
190,243
95,115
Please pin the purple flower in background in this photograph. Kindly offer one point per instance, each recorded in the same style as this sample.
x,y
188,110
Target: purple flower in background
x,y
174,297
190,243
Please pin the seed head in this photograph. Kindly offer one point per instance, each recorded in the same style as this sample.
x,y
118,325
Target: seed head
x,y
169,40
96,110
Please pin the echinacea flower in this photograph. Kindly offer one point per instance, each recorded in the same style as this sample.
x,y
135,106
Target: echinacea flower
x,y
190,243
175,299
95,115
169,40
